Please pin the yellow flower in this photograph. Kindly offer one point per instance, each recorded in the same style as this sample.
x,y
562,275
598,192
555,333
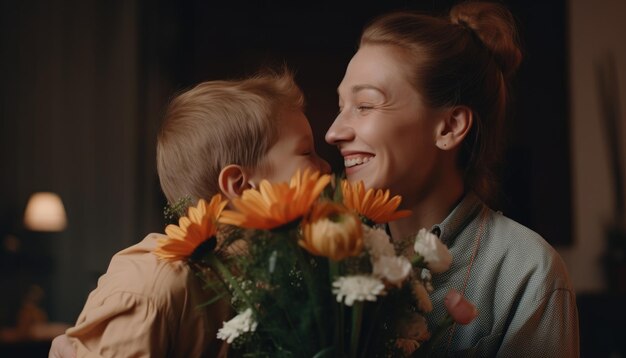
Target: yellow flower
x,y
374,205
275,205
192,230
332,231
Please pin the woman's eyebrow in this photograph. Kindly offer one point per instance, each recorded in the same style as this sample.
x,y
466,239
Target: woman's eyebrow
x,y
358,88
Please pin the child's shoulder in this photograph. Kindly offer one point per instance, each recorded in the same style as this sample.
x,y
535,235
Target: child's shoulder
x,y
138,271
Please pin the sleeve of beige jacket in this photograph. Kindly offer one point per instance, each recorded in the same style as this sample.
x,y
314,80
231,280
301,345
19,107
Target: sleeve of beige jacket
x,y
120,325
145,307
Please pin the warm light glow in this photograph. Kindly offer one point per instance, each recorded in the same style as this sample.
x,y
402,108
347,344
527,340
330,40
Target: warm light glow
x,y
45,212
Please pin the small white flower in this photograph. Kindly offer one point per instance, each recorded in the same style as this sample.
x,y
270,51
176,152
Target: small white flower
x,y
377,242
357,288
246,286
241,323
392,269
435,253
427,280
272,261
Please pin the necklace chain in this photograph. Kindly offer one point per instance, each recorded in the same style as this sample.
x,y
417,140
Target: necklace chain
x,y
479,234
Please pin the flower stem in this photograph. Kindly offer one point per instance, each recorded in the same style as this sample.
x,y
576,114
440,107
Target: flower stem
x,y
338,310
313,293
438,334
357,319
372,326
341,330
333,270
223,271
418,261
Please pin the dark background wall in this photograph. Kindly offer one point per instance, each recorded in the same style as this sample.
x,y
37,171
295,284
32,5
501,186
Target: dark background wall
x,y
83,85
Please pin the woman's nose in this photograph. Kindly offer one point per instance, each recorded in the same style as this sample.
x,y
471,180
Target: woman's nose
x,y
339,132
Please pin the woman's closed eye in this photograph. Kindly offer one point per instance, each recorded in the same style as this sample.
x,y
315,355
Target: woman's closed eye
x,y
364,107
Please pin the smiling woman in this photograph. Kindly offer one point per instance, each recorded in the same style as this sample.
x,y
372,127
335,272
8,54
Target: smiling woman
x,y
384,129
422,106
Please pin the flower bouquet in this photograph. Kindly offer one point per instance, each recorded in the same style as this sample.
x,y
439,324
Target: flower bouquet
x,y
310,270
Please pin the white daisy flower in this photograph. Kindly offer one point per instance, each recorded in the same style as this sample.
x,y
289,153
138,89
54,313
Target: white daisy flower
x,y
377,242
435,252
241,323
357,288
392,269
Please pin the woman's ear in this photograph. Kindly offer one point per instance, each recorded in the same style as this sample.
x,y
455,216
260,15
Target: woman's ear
x,y
454,127
233,180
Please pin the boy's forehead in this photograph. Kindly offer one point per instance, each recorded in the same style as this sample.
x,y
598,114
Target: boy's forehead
x,y
294,125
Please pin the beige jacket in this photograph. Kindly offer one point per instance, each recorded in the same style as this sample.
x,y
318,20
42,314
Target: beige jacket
x,y
147,307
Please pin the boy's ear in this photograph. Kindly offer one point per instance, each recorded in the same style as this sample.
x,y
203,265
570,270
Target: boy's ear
x,y
233,180
454,127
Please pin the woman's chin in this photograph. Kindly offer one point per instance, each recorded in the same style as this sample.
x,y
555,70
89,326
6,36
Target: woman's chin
x,y
354,174
369,181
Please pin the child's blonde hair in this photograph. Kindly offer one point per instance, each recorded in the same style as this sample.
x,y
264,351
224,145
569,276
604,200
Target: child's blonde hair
x,y
218,123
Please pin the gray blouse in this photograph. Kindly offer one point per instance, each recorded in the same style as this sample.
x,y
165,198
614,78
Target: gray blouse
x,y
518,282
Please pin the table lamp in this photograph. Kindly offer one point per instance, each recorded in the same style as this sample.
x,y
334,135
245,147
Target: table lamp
x,y
45,212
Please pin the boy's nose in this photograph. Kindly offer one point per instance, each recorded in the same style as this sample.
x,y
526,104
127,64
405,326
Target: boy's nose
x,y
323,166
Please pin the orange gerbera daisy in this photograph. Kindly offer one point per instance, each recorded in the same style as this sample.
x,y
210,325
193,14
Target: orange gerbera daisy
x,y
332,230
192,230
275,205
374,205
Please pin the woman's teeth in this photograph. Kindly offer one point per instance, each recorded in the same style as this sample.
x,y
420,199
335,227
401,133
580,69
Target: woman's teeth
x,y
355,161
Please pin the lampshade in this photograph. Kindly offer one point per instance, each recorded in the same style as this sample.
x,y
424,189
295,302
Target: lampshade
x,y
45,212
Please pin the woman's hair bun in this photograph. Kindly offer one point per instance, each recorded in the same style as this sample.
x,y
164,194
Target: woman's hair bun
x,y
495,27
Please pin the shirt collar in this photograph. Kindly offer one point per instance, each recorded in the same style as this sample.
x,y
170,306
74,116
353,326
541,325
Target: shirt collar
x,y
449,229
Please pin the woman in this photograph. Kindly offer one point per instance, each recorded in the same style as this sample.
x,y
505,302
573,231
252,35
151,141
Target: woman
x,y
422,105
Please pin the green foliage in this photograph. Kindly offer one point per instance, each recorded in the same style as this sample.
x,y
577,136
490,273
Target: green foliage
x,y
173,211
282,290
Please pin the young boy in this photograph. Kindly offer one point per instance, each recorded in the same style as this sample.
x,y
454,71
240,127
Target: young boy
x,y
221,136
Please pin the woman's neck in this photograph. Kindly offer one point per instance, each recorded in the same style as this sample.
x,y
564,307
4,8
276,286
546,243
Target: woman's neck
x,y
429,209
